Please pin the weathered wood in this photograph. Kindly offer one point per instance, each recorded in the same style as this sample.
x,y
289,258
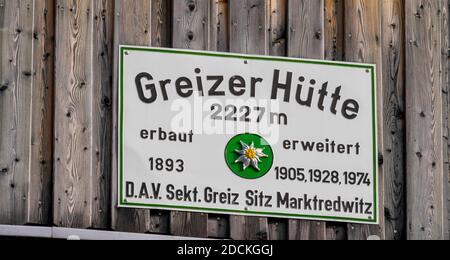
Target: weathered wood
x,y
219,26
277,22
394,117
82,113
161,32
425,176
445,67
305,40
248,26
334,29
143,23
26,102
218,226
191,30
278,27
278,229
363,44
249,34
446,105
305,29
334,50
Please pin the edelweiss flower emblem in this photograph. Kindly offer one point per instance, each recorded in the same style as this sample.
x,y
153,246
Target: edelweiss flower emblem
x,y
250,156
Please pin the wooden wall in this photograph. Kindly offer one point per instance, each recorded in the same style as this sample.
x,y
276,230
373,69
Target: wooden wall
x,y
58,64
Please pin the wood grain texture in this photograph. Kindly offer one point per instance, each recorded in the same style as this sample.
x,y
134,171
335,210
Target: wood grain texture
x,y
191,30
425,176
26,109
277,22
219,29
305,40
445,38
445,67
306,29
219,225
82,113
334,29
249,26
334,50
143,23
249,34
278,27
132,26
363,44
394,118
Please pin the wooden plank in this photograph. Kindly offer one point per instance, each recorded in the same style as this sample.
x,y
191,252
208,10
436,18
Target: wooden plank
x,y
445,38
394,117
143,23
334,50
363,44
26,97
277,19
219,225
306,29
219,26
305,40
82,113
191,30
334,29
248,26
446,107
161,23
278,27
249,34
425,176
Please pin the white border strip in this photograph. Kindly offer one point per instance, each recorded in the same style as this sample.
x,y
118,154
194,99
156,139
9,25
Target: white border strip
x,y
78,234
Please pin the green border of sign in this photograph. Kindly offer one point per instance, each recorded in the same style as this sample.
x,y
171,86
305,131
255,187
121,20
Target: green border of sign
x,y
371,68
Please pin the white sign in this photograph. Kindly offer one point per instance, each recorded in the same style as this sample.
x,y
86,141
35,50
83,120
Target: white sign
x,y
247,135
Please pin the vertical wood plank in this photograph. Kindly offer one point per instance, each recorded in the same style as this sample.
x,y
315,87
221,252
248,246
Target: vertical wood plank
x,y
445,38
219,225
425,176
82,114
219,26
145,23
41,151
192,27
278,27
248,26
334,29
161,23
334,50
277,19
446,60
249,34
15,110
363,44
305,40
306,29
394,117
26,97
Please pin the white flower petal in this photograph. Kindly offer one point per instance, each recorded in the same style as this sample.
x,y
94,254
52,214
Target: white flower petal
x,y
240,152
255,164
262,155
246,163
244,146
241,159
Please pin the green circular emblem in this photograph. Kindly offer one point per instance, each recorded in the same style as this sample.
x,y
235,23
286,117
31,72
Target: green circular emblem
x,y
249,156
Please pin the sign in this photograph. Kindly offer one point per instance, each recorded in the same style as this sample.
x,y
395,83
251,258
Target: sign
x,y
247,135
